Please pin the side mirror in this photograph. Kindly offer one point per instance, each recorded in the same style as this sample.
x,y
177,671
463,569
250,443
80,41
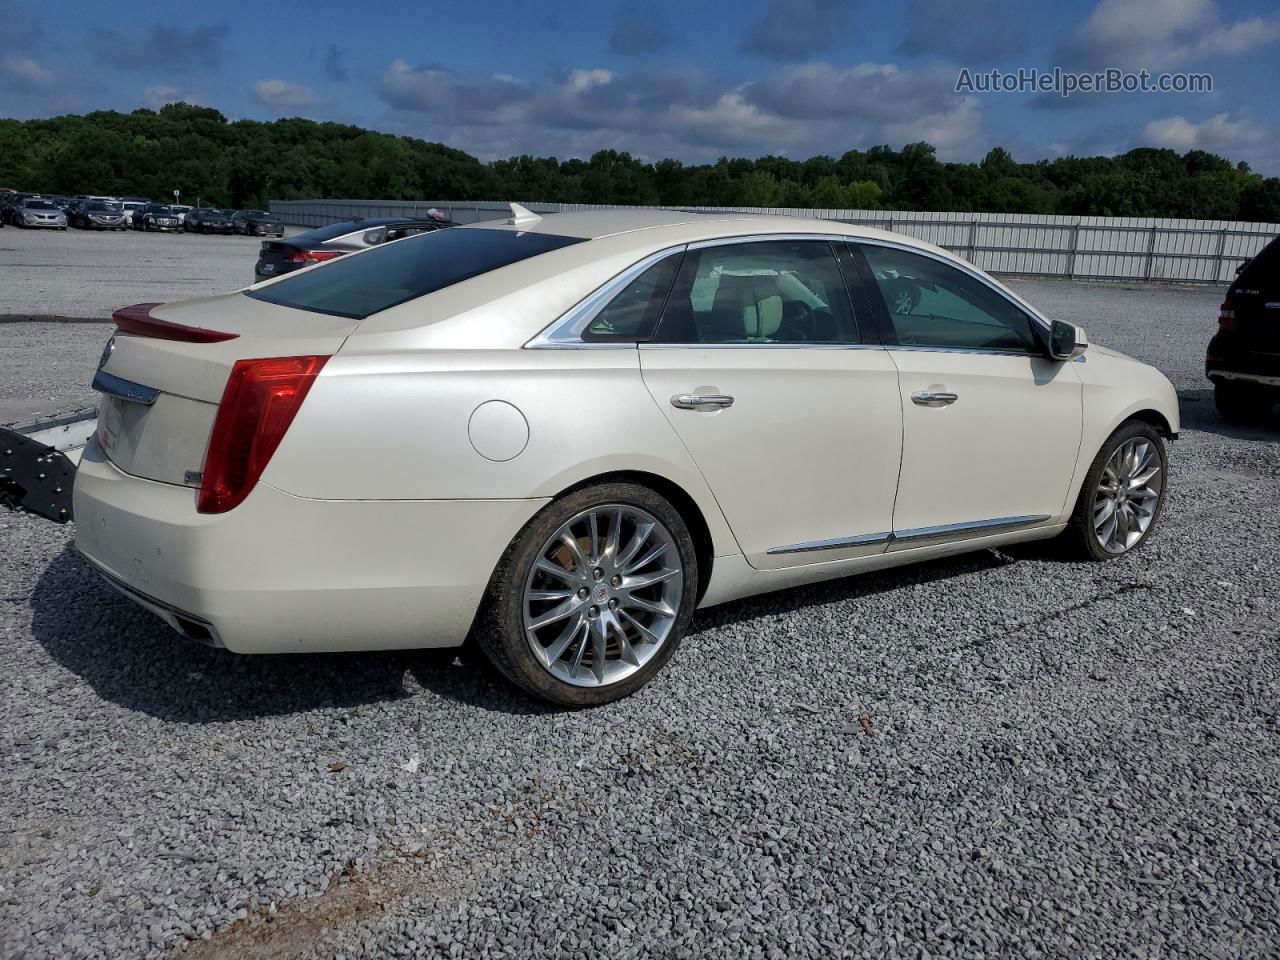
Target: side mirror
x,y
1067,341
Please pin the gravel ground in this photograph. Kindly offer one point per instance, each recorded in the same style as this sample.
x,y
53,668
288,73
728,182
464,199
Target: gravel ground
x,y
1002,754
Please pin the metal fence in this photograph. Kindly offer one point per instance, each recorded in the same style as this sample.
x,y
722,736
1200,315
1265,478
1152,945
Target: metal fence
x,y
1089,248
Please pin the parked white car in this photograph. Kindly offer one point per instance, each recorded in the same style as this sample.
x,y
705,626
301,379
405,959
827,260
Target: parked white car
x,y
560,436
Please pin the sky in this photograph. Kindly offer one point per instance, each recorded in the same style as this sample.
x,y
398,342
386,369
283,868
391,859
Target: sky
x,y
691,80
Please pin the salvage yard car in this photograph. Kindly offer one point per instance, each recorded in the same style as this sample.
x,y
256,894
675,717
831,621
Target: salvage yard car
x,y
207,220
257,223
96,215
157,216
334,240
38,212
1243,359
559,436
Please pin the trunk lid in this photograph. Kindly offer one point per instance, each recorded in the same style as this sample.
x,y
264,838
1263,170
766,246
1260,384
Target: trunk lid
x,y
274,255
166,439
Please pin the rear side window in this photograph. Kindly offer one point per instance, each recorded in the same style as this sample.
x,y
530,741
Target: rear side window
x,y
1260,273
633,313
358,286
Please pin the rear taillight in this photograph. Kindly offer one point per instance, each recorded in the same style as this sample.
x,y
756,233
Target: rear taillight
x,y
314,256
137,319
1227,316
260,401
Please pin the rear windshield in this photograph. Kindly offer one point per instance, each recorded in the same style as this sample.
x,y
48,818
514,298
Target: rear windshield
x,y
360,285
1262,270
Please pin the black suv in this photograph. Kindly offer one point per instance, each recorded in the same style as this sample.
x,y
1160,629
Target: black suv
x,y
1243,359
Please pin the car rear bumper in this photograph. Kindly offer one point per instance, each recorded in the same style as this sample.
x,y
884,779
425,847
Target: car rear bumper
x,y
282,574
1229,359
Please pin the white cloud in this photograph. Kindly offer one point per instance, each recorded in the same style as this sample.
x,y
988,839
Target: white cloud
x,y
1161,34
157,95
26,76
1236,138
684,112
279,93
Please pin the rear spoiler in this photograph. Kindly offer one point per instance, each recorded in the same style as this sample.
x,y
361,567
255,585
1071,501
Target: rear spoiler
x,y
137,319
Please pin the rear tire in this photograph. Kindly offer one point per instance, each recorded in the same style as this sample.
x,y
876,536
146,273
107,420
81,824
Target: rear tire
x,y
601,639
1241,402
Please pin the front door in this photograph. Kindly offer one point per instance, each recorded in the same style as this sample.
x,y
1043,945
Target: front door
x,y
991,425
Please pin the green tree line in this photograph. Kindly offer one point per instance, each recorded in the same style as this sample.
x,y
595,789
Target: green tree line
x,y
246,163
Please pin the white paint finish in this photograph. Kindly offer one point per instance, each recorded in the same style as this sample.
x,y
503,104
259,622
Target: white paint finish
x,y
808,451
1007,447
498,431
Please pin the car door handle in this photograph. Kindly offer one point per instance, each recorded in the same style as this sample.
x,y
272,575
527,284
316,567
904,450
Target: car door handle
x,y
930,398
697,401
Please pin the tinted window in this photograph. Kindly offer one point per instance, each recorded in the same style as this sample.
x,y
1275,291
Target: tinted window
x,y
633,313
38,205
1260,273
775,291
358,286
932,304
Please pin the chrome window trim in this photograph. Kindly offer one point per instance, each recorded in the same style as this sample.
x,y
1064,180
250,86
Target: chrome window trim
x,y
923,348
813,545
765,238
964,268
966,529
565,333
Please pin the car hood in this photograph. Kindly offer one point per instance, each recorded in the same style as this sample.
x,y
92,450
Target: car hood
x,y
1096,348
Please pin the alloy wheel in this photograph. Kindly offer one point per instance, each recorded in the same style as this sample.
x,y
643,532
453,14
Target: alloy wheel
x,y
603,595
1127,496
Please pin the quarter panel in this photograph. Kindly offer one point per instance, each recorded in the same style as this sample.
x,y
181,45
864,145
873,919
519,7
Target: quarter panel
x,y
395,427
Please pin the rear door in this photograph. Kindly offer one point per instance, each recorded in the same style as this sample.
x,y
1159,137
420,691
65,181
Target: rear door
x,y
776,387
991,425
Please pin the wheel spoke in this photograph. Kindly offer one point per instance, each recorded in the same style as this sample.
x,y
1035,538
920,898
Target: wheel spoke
x,y
1106,510
648,606
548,595
575,550
554,615
638,540
562,642
555,570
594,524
599,645
647,559
611,542
649,579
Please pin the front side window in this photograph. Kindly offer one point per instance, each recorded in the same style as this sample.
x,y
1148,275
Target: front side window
x,y
931,304
765,292
393,273
632,315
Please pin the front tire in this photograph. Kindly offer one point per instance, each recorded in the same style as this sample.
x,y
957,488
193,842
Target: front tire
x,y
1122,495
592,597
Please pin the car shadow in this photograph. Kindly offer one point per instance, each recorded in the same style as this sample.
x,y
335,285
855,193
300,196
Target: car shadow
x,y
132,659
1199,413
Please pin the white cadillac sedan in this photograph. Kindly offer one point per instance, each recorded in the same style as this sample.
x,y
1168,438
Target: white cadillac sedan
x,y
559,436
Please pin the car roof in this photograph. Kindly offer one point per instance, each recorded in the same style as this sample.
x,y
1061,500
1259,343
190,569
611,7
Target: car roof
x,y
649,227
